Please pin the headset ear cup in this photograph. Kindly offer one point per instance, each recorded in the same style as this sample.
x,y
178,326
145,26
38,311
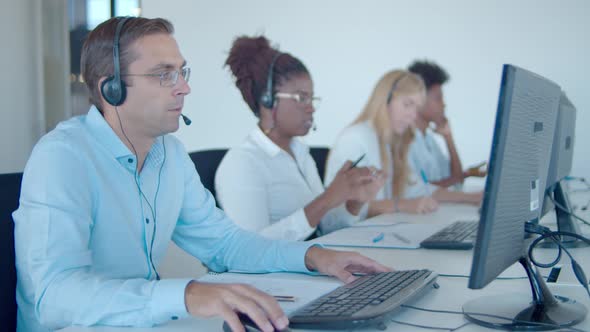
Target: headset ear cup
x,y
267,97
113,92
266,100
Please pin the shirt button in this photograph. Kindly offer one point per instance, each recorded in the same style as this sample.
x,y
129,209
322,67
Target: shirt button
x,y
130,160
174,317
147,220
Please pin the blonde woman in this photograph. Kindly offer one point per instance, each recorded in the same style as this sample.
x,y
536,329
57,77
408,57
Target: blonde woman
x,y
383,133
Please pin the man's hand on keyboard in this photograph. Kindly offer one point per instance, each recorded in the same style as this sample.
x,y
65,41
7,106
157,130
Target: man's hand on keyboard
x,y
341,264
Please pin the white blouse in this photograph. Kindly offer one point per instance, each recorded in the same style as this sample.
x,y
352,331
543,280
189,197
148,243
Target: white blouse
x,y
359,139
263,189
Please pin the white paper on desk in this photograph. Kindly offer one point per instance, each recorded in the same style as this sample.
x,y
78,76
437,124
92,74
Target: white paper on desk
x,y
401,236
446,213
304,288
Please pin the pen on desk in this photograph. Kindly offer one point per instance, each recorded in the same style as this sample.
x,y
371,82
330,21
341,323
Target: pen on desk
x,y
401,238
357,161
378,238
284,298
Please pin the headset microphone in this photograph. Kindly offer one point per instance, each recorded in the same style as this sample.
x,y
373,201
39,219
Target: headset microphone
x,y
314,127
186,120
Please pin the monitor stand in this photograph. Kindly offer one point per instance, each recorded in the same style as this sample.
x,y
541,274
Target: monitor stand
x,y
565,221
522,311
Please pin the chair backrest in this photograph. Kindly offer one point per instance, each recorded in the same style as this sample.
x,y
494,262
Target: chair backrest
x,y
9,196
206,163
319,155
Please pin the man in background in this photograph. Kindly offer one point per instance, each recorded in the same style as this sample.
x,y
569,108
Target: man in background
x,y
425,156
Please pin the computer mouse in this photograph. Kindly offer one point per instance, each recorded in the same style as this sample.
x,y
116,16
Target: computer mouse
x,y
249,325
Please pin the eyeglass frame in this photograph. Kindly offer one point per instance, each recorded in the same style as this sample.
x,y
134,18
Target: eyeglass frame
x,y
177,73
305,101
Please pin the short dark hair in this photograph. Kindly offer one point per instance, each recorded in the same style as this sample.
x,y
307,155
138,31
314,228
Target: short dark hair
x,y
249,61
431,73
97,52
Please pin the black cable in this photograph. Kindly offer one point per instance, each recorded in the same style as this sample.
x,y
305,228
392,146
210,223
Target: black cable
x,y
538,229
583,180
578,178
135,177
155,211
451,329
467,276
491,316
568,211
546,233
461,326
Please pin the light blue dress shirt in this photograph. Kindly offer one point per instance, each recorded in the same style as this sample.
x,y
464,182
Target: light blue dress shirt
x,y
426,156
85,225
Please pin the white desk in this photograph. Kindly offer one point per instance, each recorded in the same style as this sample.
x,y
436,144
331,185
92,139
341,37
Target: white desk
x,y
450,296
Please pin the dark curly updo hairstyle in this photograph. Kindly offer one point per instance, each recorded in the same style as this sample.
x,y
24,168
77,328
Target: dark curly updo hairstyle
x,y
431,73
249,61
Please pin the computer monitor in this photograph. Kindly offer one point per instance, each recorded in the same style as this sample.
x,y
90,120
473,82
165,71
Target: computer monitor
x,y
560,167
514,191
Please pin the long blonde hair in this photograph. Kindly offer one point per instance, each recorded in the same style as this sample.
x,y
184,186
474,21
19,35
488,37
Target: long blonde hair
x,y
392,85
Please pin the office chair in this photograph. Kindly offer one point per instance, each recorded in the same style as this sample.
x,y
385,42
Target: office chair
x,y
206,163
319,155
9,196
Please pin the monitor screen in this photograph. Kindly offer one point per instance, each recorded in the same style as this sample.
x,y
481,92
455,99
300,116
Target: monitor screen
x,y
514,192
519,162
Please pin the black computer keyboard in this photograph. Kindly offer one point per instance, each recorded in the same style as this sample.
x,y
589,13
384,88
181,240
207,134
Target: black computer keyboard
x,y
368,300
458,235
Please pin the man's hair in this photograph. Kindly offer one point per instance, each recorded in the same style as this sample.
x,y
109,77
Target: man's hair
x,y
431,73
97,52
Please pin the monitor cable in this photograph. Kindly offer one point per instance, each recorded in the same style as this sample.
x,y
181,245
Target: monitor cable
x,y
564,209
546,233
466,276
586,206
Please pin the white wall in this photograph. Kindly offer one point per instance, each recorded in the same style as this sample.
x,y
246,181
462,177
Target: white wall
x,y
21,120
348,45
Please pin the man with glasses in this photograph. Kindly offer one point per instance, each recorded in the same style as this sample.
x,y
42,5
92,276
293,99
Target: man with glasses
x,y
103,194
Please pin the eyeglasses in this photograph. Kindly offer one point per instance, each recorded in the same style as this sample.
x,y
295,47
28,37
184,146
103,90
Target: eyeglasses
x,y
169,78
301,98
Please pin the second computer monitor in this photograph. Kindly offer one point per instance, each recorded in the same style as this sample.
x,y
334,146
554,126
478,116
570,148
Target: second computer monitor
x,y
563,149
556,196
563,143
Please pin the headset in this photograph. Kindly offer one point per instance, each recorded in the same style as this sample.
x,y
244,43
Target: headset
x,y
394,86
267,99
113,88
114,92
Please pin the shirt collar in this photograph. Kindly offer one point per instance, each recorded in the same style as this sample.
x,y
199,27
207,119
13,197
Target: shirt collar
x,y
106,136
271,149
418,133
